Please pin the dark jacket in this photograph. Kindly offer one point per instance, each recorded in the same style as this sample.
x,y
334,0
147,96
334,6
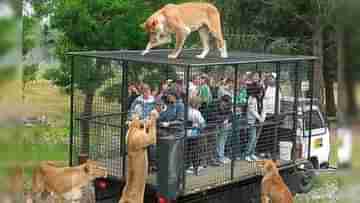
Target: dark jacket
x,y
173,112
223,112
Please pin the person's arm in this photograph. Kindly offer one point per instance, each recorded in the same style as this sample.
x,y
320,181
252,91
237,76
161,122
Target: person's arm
x,y
132,109
163,115
200,120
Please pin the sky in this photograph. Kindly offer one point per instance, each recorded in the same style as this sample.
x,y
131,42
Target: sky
x,y
5,10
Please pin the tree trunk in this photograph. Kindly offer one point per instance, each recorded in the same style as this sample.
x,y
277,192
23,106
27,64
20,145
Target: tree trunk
x,y
330,98
330,60
349,67
342,97
85,125
318,50
346,98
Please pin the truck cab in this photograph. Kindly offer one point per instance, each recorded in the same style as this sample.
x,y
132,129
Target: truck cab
x,y
318,131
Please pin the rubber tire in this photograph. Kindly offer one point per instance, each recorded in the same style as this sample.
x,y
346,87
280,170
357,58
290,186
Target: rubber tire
x,y
315,162
305,182
325,165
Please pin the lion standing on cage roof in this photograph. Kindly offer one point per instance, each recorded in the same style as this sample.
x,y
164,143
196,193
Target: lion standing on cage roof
x,y
138,139
182,19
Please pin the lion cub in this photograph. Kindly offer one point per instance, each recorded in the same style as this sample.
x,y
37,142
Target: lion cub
x,y
182,19
273,188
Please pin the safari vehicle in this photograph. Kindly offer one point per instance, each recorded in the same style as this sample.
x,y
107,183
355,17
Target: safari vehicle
x,y
99,112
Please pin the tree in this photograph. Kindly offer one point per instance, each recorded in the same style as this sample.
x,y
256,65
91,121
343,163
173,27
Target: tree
x,y
31,38
348,44
316,18
93,25
29,75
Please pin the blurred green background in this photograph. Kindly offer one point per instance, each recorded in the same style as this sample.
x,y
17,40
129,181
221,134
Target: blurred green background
x,y
34,76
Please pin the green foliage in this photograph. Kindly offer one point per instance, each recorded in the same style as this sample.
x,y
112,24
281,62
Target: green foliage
x,y
101,24
51,135
112,93
59,77
7,73
94,25
30,40
29,73
31,36
7,36
20,143
17,5
285,46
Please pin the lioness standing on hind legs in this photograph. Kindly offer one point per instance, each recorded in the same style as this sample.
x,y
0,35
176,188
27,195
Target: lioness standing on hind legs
x,y
182,19
137,167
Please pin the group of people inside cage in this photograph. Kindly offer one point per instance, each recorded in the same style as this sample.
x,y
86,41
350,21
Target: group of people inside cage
x,y
213,114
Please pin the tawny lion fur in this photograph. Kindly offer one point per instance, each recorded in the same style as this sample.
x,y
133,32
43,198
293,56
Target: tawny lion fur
x,y
137,167
182,19
14,190
65,182
273,188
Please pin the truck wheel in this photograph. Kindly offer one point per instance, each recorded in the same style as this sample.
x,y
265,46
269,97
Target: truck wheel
x,y
315,162
305,182
325,165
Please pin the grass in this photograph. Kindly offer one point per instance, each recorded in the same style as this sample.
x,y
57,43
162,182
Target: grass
x,y
48,100
347,180
21,145
327,178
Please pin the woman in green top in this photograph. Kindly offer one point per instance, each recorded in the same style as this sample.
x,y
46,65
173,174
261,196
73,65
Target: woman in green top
x,y
204,90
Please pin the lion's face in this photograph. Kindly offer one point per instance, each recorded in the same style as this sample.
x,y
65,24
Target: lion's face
x,y
267,166
155,28
94,170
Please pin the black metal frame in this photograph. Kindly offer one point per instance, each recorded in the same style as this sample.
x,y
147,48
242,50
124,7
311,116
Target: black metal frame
x,y
124,104
189,63
71,113
311,79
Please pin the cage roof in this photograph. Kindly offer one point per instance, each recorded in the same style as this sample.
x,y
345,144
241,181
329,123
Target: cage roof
x,y
187,57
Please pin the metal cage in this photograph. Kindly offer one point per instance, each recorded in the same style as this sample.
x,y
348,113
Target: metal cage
x,y
100,109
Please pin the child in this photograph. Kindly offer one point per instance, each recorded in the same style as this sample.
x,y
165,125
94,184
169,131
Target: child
x,y
193,135
252,116
223,127
241,101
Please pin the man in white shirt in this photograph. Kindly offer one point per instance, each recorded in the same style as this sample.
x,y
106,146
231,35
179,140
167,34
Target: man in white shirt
x,y
269,98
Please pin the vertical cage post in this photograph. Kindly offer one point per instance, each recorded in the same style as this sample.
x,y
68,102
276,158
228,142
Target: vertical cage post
x,y
295,108
311,94
186,118
234,132
166,71
275,150
71,112
124,111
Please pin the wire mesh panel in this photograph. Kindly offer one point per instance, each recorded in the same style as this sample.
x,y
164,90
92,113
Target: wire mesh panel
x,y
97,112
210,115
215,116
